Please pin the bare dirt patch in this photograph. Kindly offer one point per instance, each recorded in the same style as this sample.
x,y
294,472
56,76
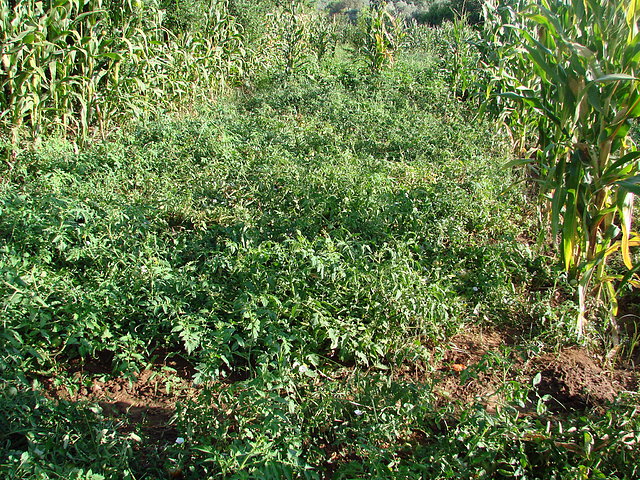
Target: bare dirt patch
x,y
468,368
477,365
576,380
468,348
142,403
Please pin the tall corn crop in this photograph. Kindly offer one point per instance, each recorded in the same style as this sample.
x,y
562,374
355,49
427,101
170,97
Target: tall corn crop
x,y
79,66
378,37
570,67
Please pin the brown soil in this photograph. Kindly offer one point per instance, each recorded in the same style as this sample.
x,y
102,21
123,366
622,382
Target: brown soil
x,y
576,380
142,403
477,364
465,373
472,367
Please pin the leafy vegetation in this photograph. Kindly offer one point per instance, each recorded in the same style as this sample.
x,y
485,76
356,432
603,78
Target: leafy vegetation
x,y
74,66
296,237
377,38
582,95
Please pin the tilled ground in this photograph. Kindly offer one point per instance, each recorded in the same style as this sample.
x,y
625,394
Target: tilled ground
x,y
472,367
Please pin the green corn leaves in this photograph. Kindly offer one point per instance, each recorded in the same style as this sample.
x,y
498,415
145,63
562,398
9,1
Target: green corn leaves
x,y
569,72
75,67
633,11
378,37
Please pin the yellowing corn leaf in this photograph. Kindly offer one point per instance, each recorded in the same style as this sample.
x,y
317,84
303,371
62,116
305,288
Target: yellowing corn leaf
x,y
633,11
627,216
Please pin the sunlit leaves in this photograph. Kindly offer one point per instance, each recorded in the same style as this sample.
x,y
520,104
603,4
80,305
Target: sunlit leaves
x,y
378,37
581,97
76,68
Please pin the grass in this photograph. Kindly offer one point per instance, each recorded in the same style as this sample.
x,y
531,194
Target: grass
x,y
299,246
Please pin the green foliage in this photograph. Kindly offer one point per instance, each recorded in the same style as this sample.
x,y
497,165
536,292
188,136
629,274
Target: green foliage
x,y
40,438
305,246
293,38
582,97
454,45
279,35
293,422
182,16
377,37
299,424
323,36
440,11
239,260
292,34
342,6
74,67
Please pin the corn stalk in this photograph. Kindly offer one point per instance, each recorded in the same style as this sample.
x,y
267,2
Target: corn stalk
x,y
290,35
72,66
378,37
571,67
323,36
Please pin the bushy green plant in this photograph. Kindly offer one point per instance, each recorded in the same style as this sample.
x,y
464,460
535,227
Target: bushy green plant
x,y
304,248
44,439
300,423
293,423
440,11
234,257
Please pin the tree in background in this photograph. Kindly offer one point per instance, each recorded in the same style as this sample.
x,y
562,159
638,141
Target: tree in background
x,y
439,11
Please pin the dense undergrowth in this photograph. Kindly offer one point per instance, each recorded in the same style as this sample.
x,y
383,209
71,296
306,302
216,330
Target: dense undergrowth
x,y
323,216
298,244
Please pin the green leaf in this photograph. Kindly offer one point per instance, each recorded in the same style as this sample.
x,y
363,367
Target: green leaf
x,y
570,221
517,162
29,38
615,77
593,97
536,104
569,229
625,207
537,379
630,184
557,202
537,56
633,11
634,109
618,166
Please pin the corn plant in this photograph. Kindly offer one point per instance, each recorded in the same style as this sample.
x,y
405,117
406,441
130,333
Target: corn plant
x,y
293,23
76,66
572,68
378,37
37,71
57,61
323,36
508,71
